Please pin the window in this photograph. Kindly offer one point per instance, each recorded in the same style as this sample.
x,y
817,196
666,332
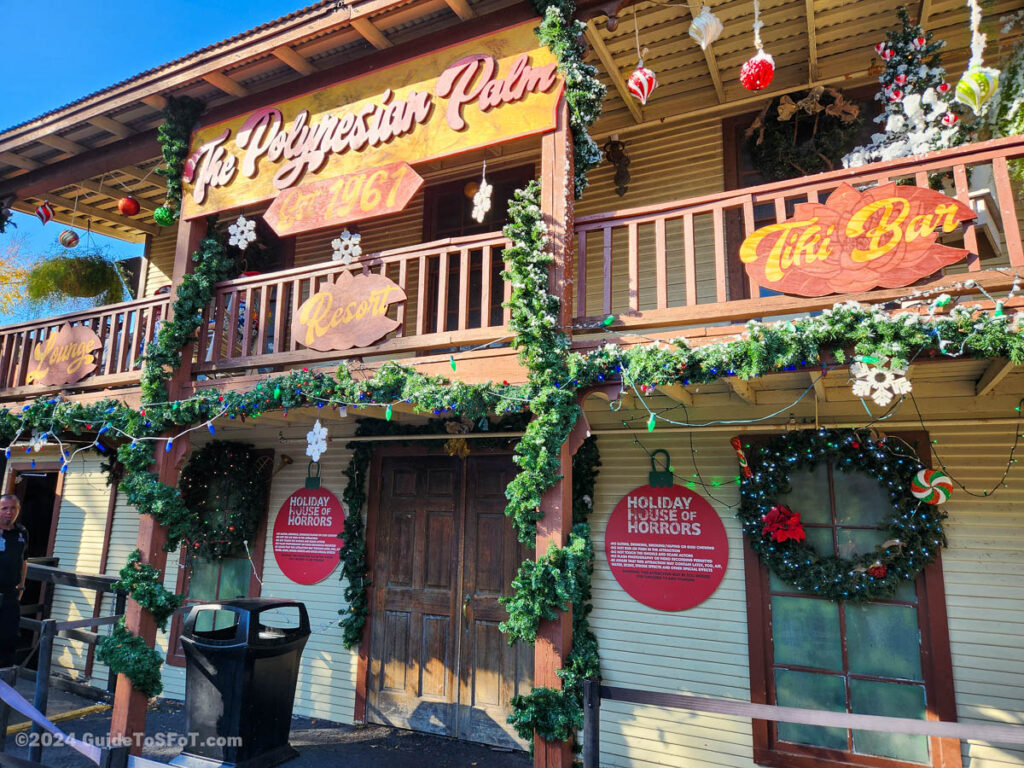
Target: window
x,y
205,580
887,658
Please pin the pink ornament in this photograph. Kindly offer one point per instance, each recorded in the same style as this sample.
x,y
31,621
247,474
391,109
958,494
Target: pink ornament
x,y
900,79
44,212
950,118
895,94
887,54
642,82
758,72
918,43
942,88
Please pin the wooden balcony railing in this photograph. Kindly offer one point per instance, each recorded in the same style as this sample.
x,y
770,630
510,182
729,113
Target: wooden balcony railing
x,y
454,295
124,330
677,263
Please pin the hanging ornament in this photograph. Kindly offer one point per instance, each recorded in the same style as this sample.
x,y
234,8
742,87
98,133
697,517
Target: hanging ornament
x,y
759,70
706,27
242,232
316,441
482,198
880,383
643,81
38,440
68,238
164,216
346,247
979,82
44,212
128,206
932,486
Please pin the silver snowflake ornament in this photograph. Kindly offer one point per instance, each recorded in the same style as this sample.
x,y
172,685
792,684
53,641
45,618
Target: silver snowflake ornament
x,y
316,441
346,247
482,201
880,383
242,232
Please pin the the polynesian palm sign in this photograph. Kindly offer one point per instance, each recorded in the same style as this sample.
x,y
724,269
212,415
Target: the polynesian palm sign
x,y
855,241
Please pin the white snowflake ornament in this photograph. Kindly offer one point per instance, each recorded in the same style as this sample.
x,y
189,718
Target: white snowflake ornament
x,y
880,383
346,247
38,440
482,198
242,232
316,441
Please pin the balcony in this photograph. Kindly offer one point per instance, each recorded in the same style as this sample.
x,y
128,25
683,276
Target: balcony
x,y
668,268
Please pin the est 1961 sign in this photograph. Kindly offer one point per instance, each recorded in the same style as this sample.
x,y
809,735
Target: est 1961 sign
x,y
666,547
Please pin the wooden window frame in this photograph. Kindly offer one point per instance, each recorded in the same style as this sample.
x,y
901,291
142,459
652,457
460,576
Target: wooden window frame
x,y
175,656
936,665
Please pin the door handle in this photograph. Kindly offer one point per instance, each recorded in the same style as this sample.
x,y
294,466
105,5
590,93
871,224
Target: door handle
x,y
465,603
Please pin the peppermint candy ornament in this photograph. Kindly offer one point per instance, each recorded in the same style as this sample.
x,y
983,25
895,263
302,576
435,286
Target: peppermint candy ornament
x,y
68,238
976,87
758,72
705,27
642,82
931,486
44,212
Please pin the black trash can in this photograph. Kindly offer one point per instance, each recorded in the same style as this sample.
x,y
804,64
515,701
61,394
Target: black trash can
x,y
241,666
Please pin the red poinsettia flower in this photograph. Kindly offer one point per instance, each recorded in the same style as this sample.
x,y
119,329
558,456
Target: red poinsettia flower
x,y
877,571
781,524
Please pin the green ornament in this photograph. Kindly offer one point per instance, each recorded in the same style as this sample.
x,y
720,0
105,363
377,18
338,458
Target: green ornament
x,y
164,216
650,423
387,413
608,321
451,361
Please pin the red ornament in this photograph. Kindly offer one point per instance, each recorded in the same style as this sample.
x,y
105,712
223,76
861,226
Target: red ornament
x,y
918,43
642,82
128,206
68,238
855,444
758,72
942,88
950,118
895,94
44,212
781,524
880,48
901,79
887,54
877,571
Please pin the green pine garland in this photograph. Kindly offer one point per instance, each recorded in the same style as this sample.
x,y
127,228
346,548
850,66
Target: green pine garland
x,y
144,585
175,135
912,534
127,654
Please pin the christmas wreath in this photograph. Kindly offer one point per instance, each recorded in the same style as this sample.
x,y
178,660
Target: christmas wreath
x,y
912,530
222,489
798,138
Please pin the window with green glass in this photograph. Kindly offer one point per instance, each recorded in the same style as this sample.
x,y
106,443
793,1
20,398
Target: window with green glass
x,y
862,658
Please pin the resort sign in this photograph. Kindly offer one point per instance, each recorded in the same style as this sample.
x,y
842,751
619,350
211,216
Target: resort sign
x,y
478,93
351,312
64,357
883,237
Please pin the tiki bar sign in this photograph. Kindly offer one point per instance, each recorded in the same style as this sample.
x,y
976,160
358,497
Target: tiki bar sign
x,y
351,312
64,357
855,241
475,94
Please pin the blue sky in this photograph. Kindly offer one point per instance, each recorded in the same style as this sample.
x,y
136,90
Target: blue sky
x,y
66,49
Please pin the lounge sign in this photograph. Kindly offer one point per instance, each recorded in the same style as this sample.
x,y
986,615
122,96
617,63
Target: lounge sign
x,y
855,241
475,94
64,357
351,312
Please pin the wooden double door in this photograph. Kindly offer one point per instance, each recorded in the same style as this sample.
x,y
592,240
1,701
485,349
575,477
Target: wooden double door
x,y
443,553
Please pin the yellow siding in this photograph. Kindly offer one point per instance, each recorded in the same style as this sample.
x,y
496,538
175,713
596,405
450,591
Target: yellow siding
x,y
161,260
703,651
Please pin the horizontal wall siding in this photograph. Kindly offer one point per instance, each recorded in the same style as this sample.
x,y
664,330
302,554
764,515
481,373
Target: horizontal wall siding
x,y
703,651
161,260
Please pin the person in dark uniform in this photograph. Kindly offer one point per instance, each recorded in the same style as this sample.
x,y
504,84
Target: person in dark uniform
x,y
13,565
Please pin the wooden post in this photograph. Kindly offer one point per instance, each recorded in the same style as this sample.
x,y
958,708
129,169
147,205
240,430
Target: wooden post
x,y
129,715
554,638
47,632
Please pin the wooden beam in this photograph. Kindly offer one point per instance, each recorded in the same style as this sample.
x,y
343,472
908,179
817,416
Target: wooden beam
x,y
64,145
374,36
114,194
294,60
742,388
227,84
608,62
994,373
110,125
461,8
156,101
677,392
18,161
812,43
99,227
926,11
709,57
92,212
140,174
819,386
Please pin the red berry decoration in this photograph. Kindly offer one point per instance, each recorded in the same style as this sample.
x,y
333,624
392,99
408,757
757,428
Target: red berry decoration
x,y
942,88
642,82
758,72
128,206
877,571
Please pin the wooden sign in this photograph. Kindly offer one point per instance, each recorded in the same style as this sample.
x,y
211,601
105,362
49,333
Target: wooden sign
x,y
352,197
64,357
351,312
666,547
855,241
475,94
